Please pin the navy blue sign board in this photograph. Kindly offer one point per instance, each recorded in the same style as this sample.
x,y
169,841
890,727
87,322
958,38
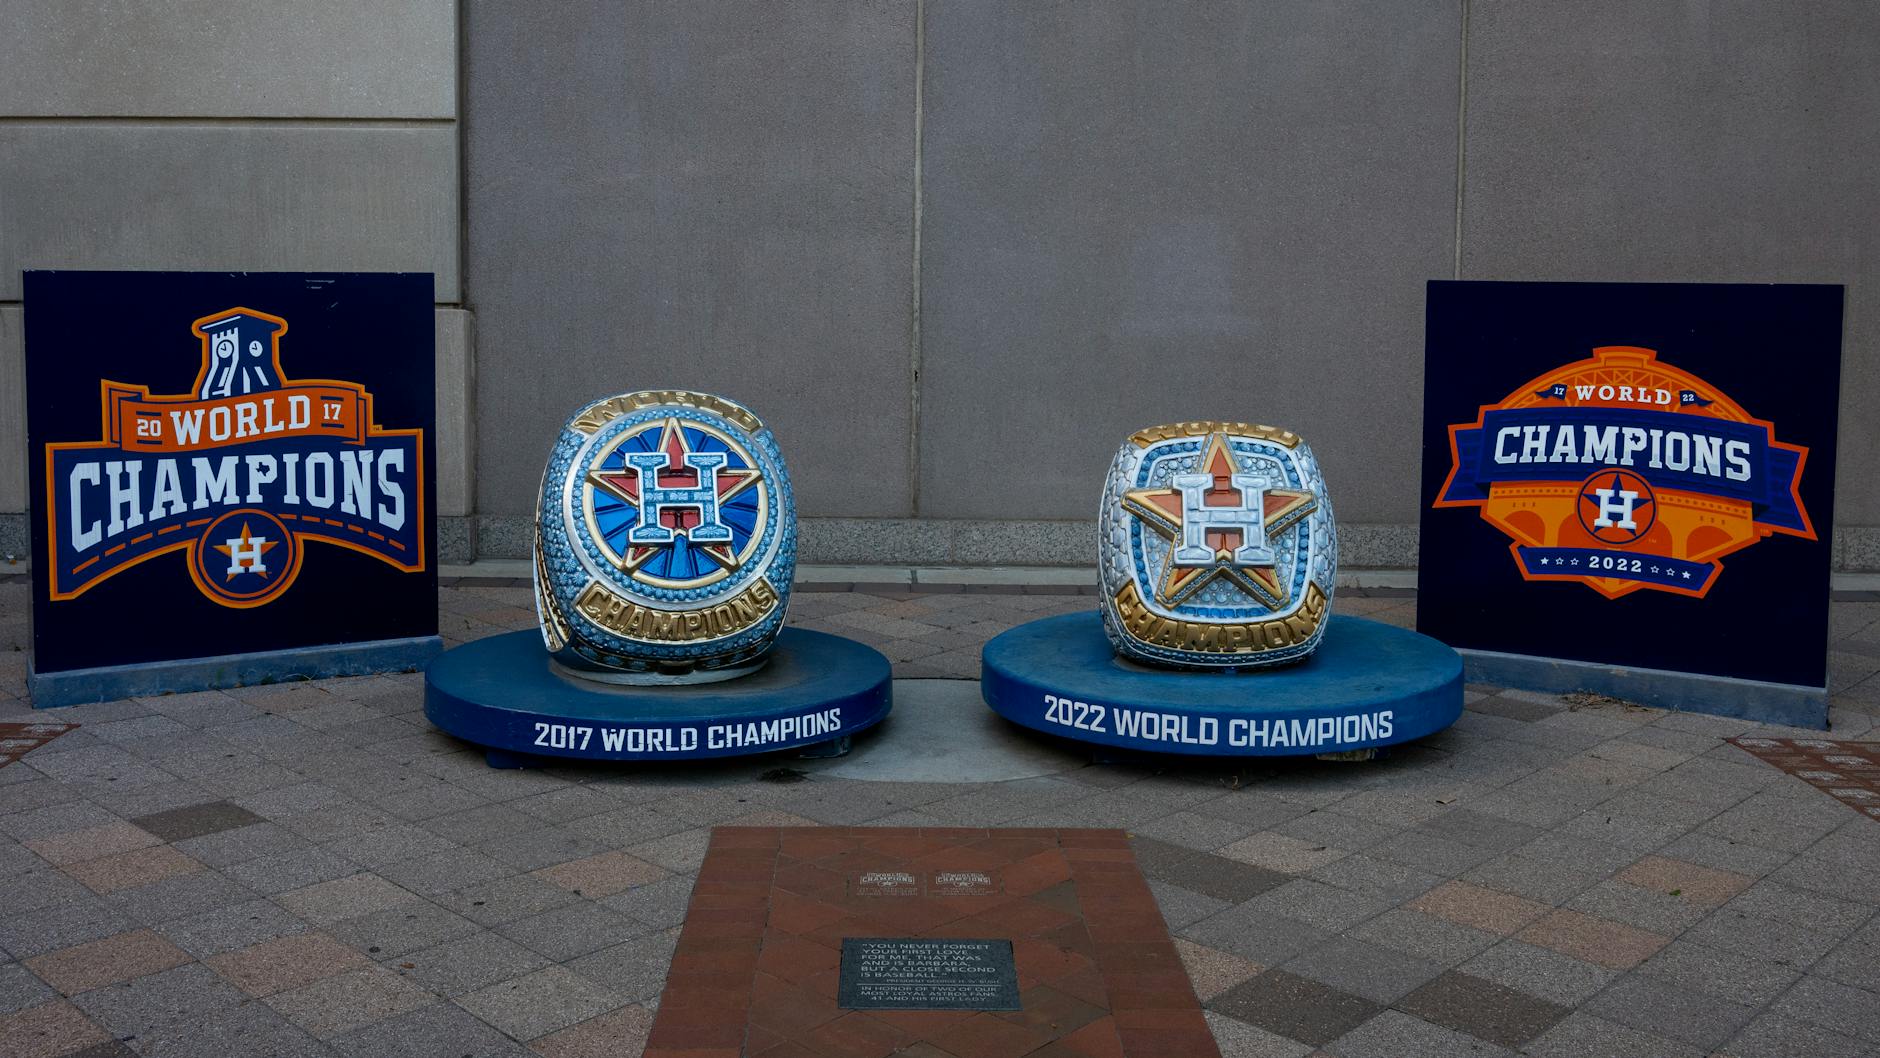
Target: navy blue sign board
x,y
1628,488
231,478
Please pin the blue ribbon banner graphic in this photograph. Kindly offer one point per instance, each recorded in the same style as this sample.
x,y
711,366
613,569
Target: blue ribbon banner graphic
x,y
1674,451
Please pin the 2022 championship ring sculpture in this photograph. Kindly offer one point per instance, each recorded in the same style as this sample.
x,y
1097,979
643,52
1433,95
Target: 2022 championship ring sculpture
x,y
1217,547
1216,555
665,540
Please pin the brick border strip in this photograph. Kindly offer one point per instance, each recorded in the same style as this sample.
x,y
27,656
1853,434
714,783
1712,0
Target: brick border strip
x,y
1849,772
705,1009
17,740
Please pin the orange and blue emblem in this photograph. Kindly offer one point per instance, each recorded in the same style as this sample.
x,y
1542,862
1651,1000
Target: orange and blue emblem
x,y
1625,473
676,504
239,474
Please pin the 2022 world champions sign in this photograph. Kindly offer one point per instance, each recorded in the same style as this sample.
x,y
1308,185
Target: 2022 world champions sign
x,y
228,464
1636,475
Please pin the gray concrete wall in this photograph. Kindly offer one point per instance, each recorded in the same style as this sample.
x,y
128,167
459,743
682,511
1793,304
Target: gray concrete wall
x,y
1147,213
953,250
220,135
1121,214
713,196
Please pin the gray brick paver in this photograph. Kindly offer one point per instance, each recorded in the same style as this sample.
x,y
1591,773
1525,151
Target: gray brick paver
x,y
287,792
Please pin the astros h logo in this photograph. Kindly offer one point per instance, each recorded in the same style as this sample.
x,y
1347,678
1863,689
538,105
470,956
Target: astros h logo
x,y
1617,507
676,505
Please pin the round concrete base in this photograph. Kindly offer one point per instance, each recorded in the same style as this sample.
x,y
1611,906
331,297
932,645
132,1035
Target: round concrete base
x,y
1369,684
504,694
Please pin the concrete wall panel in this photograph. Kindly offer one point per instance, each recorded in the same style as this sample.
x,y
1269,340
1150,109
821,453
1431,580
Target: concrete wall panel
x,y
300,198
456,413
1143,213
13,476
712,196
215,58
1686,142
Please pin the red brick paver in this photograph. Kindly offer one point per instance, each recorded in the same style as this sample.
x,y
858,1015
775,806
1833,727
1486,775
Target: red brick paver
x,y
758,961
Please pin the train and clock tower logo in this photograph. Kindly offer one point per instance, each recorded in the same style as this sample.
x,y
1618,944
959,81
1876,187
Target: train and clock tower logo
x,y
240,474
1624,473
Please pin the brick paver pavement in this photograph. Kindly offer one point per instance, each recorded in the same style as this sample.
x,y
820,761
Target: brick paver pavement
x,y
308,869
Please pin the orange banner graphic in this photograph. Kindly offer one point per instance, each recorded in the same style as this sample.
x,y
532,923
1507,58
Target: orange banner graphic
x,y
139,422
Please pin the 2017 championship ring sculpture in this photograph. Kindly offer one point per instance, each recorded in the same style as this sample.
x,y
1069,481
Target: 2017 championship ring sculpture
x,y
665,543
665,540
1217,547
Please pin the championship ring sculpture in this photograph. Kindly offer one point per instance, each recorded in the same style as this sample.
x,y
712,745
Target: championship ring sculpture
x,y
665,540
1217,547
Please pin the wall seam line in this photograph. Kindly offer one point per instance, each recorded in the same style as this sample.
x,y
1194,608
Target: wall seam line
x,y
914,336
469,380
1462,131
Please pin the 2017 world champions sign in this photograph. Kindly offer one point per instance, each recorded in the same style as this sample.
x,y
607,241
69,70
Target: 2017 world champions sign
x,y
1626,483
240,459
239,473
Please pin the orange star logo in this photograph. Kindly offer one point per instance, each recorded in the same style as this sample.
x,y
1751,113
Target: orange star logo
x,y
1161,510
625,485
245,553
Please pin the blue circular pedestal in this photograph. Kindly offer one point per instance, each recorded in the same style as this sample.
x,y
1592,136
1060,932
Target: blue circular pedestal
x,y
502,693
1369,684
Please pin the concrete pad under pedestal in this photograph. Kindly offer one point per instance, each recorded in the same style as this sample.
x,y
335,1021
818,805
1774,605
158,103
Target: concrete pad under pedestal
x,y
940,731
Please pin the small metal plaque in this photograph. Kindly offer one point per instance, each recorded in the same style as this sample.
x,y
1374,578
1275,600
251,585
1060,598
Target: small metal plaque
x,y
920,973
962,883
884,883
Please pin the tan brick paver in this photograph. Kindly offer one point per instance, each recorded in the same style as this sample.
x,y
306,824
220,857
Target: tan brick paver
x,y
1614,945
602,875
285,964
1213,971
92,842
124,957
1478,908
1707,886
50,1030
128,870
